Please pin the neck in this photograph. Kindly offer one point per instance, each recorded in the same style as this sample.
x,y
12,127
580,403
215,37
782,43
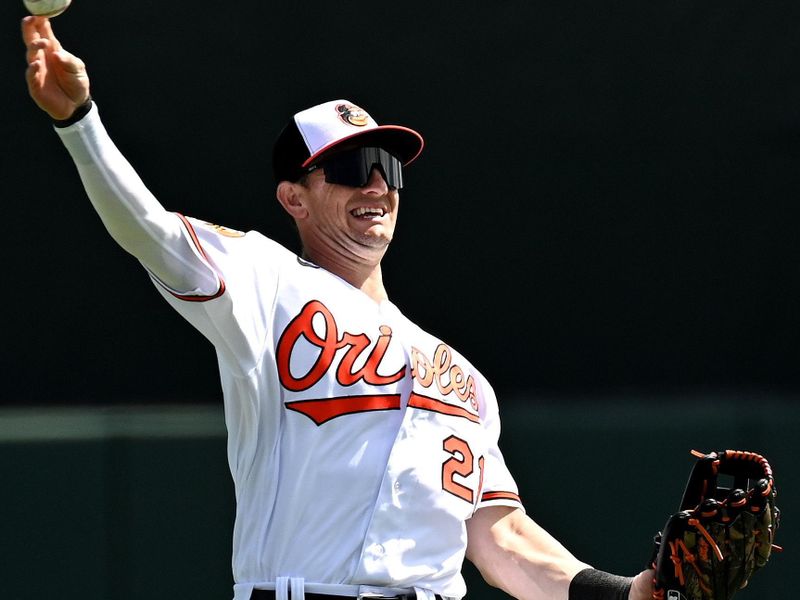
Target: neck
x,y
366,277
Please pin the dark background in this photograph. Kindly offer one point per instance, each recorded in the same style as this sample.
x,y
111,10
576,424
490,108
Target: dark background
x,y
607,199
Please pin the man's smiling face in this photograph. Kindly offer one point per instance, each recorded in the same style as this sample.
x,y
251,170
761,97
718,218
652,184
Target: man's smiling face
x,y
359,221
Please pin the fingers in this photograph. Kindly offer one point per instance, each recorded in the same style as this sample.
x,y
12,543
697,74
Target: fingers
x,y
37,50
36,44
36,32
35,47
32,73
42,44
35,77
32,39
46,30
29,31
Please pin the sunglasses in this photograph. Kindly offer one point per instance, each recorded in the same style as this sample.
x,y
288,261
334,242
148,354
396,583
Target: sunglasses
x,y
354,167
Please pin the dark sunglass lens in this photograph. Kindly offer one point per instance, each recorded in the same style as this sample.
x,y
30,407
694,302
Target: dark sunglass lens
x,y
353,167
345,168
392,170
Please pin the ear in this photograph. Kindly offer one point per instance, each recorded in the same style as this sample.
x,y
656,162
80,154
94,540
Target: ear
x,y
290,195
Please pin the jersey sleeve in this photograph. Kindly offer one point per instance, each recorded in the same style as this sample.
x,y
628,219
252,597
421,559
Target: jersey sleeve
x,y
237,315
132,215
204,271
499,487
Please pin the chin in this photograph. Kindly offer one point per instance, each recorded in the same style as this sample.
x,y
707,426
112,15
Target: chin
x,y
374,239
374,243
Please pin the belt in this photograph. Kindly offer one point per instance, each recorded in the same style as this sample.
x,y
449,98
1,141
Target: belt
x,y
270,595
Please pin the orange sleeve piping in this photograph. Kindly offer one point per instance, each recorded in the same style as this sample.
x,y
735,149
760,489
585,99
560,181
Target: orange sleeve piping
x,y
196,241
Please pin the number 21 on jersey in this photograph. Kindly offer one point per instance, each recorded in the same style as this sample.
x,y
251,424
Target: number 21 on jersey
x,y
461,464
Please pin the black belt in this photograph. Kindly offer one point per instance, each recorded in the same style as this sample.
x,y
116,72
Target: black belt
x,y
270,595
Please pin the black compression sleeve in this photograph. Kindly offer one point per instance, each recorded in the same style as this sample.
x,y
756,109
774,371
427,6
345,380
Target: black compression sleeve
x,y
591,584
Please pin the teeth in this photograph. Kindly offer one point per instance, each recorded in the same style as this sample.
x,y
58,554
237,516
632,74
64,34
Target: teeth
x,y
360,212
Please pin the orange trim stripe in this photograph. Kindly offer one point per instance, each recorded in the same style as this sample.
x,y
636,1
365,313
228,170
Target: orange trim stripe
x,y
323,410
488,496
202,252
437,406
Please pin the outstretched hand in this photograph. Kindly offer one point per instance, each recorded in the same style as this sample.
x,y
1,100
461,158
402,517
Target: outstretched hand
x,y
57,80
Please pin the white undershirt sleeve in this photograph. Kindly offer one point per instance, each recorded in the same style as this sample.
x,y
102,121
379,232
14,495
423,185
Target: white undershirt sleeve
x,y
130,212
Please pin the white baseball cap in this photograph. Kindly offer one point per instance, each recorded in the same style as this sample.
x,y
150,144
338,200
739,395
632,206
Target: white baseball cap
x,y
317,132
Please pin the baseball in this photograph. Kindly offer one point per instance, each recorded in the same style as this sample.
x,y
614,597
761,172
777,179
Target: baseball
x,y
46,8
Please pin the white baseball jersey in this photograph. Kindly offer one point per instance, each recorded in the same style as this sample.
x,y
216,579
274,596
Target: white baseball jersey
x,y
359,444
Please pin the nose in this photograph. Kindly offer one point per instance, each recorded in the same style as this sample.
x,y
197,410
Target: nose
x,y
376,184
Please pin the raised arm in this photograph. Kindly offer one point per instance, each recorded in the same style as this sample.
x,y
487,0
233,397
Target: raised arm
x,y
516,555
59,84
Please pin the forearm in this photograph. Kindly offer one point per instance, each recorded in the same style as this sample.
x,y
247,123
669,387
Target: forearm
x,y
130,212
518,556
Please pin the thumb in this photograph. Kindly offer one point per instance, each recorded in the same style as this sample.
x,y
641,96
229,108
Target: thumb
x,y
70,63
642,587
72,76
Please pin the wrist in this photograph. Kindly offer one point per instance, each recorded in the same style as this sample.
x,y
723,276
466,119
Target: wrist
x,y
80,111
592,584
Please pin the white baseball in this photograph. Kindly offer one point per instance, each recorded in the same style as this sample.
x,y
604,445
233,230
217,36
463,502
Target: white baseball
x,y
46,8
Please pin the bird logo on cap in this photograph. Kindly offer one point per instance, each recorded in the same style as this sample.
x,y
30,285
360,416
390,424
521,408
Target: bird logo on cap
x,y
352,114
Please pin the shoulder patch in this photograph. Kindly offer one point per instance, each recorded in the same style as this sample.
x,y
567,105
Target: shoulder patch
x,y
231,233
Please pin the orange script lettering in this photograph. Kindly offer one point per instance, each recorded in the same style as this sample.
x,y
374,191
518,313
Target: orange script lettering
x,y
448,378
329,344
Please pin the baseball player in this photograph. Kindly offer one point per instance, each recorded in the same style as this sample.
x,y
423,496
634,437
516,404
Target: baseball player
x,y
363,450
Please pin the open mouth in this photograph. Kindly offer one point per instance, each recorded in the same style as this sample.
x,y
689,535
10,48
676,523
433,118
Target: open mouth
x,y
368,212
